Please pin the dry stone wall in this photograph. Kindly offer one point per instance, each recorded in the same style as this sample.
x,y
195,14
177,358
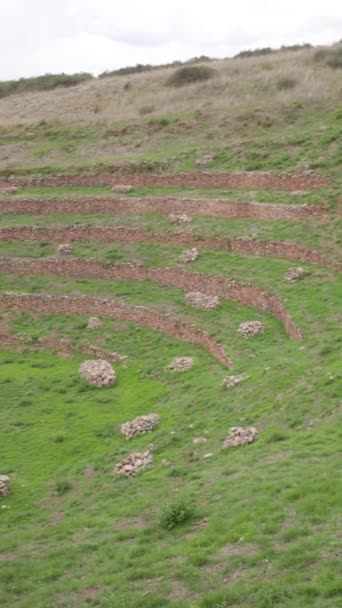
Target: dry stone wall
x,y
106,307
195,179
213,285
166,206
246,246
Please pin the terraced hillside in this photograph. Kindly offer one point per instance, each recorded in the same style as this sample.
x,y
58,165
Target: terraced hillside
x,y
158,266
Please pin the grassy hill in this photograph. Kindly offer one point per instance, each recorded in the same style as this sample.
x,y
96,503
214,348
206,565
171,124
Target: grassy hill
x,y
203,527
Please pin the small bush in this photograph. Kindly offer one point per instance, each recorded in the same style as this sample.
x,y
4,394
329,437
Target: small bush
x,y
190,75
63,486
286,83
176,513
330,56
147,109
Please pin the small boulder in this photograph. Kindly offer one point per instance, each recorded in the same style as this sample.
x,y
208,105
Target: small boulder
x,y
295,273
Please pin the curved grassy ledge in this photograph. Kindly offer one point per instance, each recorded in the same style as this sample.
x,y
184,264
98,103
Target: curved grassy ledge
x,y
244,293
207,207
251,247
195,179
113,309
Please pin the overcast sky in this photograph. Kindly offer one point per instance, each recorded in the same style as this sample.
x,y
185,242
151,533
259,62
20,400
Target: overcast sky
x,y
39,36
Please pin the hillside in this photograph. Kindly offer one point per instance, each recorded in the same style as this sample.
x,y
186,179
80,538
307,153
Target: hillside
x,y
189,236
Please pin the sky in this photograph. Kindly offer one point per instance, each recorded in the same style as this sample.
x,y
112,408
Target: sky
x,y
51,36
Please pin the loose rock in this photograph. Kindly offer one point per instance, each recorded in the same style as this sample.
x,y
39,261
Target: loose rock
x,y
179,219
180,364
189,255
296,273
134,463
140,425
230,381
239,436
121,188
4,485
64,249
250,328
94,323
204,160
201,300
98,372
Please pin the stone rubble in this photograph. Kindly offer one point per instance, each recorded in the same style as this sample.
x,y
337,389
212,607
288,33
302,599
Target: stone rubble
x,y
230,381
134,463
200,300
4,485
64,249
94,323
179,219
140,425
180,364
189,255
239,436
121,188
98,372
250,328
294,274
204,160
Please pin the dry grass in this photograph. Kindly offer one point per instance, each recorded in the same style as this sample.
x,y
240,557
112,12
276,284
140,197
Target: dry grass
x,y
239,83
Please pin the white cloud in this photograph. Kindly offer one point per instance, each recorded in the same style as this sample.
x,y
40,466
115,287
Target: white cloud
x,y
39,36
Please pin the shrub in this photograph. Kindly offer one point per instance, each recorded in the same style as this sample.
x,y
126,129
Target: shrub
x,y
286,83
190,75
176,513
330,56
147,109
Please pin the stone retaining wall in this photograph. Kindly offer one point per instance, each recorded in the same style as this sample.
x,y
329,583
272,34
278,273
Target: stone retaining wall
x,y
246,246
105,307
194,179
166,206
244,293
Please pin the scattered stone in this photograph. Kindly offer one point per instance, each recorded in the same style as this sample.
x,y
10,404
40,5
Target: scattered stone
x,y
94,323
189,255
140,425
180,364
134,463
98,372
64,249
199,439
296,273
4,485
204,160
201,300
299,193
179,219
250,328
121,188
9,190
208,455
239,436
230,381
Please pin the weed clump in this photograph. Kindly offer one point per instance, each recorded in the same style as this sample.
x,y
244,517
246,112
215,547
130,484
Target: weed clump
x,y
286,83
176,513
63,486
190,75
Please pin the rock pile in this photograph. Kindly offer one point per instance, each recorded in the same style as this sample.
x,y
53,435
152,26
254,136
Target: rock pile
x,y
200,300
180,364
64,249
140,425
294,274
98,372
204,160
189,255
239,435
4,485
230,381
121,188
250,328
179,219
133,464
94,323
